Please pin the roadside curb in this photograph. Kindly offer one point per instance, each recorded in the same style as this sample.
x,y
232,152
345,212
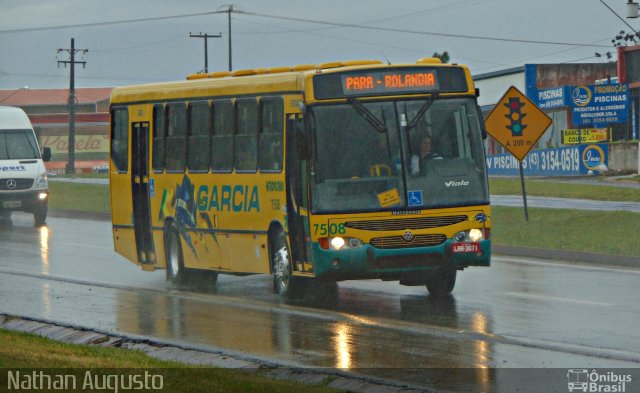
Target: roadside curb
x,y
80,215
566,255
202,357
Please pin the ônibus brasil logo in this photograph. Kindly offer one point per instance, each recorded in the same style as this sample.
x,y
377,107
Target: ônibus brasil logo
x,y
593,381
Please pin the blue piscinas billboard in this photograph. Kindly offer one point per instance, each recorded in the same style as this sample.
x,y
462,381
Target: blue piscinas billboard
x,y
561,161
599,105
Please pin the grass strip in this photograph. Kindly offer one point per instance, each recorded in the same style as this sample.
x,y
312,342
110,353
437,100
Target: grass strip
x,y
30,352
563,189
79,197
573,230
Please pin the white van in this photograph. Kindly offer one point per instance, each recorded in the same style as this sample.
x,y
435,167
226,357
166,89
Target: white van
x,y
23,177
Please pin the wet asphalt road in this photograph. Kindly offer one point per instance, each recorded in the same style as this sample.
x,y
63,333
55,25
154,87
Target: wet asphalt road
x,y
519,313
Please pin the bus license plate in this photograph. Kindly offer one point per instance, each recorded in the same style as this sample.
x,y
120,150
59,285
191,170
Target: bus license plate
x,y
458,248
12,204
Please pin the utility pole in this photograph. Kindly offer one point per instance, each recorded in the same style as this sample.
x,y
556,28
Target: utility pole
x,y
71,164
229,9
206,54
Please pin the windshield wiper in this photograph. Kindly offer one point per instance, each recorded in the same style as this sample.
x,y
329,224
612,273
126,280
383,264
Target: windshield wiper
x,y
368,115
422,111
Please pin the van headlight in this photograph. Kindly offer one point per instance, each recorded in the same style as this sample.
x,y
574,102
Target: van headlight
x,y
41,181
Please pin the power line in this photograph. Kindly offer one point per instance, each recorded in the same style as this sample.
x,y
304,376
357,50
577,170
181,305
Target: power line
x,y
396,30
619,17
114,22
232,9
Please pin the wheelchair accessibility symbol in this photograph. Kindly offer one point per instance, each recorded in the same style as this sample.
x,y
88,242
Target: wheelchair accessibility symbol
x,y
415,198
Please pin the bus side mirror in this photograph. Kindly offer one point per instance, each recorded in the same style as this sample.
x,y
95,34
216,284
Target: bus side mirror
x,y
483,127
46,154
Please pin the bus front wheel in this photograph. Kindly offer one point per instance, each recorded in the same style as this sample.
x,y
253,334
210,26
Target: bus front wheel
x,y
441,282
173,252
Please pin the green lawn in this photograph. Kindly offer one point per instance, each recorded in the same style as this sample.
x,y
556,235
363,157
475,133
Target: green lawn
x,y
551,188
572,230
22,350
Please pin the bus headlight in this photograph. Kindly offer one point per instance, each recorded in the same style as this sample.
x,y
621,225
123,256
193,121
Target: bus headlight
x,y
337,243
340,243
473,235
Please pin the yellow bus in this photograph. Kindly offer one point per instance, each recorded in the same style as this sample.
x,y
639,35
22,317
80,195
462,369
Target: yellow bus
x,y
311,172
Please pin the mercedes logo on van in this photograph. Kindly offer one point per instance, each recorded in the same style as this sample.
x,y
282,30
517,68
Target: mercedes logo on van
x,y
11,184
407,236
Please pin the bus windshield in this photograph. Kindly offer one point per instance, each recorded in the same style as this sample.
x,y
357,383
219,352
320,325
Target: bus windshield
x,y
18,145
398,155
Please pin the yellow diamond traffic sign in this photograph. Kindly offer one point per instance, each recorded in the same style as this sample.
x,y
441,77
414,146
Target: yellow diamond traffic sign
x,y
517,123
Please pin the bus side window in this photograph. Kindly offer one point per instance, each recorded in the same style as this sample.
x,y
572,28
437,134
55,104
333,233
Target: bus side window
x,y
198,139
159,131
176,146
120,138
245,147
222,136
271,134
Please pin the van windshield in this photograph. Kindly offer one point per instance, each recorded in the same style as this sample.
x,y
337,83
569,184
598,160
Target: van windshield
x,y
18,145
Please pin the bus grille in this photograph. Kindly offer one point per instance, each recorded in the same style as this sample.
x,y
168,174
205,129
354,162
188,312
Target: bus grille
x,y
20,184
399,242
406,223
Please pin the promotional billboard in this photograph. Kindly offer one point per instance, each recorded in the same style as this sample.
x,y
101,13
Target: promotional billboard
x,y
586,135
600,105
561,161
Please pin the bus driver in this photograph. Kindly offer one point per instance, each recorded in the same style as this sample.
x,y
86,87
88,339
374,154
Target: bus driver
x,y
425,153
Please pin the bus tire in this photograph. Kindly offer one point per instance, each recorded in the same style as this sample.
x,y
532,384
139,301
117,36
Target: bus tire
x,y
40,215
441,282
173,255
281,265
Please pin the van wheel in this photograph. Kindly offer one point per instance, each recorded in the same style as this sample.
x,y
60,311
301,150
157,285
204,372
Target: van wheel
x,y
441,282
281,264
173,255
40,215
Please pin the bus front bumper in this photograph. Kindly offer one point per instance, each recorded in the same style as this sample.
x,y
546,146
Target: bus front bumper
x,y
394,264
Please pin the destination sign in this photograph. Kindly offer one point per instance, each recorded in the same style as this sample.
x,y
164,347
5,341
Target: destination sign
x,y
390,81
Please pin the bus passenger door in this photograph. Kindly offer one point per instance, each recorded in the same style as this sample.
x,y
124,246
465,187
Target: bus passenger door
x,y
141,193
296,189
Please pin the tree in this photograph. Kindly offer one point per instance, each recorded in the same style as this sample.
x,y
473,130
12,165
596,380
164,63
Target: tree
x,y
444,56
622,39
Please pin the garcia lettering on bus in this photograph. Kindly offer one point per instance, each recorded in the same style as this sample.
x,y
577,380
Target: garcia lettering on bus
x,y
237,198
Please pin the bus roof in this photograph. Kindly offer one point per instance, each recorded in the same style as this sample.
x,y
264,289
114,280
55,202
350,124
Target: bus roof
x,y
251,81
12,118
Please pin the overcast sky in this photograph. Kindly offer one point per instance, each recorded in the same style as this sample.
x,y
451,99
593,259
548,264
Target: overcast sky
x,y
397,30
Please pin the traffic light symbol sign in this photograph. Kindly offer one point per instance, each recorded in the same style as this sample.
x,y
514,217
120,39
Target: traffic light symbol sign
x,y
515,116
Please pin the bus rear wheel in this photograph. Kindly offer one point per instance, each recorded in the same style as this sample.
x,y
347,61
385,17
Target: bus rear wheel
x,y
173,255
441,282
285,284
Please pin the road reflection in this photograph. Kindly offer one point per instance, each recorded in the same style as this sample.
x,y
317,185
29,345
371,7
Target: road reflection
x,y
412,339
44,249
